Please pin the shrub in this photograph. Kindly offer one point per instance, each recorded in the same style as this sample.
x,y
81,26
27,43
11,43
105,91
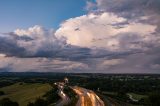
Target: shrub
x,y
1,93
8,102
154,98
38,102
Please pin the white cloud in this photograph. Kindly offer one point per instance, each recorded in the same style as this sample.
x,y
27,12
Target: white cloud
x,y
102,30
2,55
41,38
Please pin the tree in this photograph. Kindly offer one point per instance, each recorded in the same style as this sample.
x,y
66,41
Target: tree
x,y
52,96
38,102
154,98
1,93
30,104
8,102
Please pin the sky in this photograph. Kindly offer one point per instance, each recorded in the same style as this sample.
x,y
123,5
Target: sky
x,y
47,13
80,36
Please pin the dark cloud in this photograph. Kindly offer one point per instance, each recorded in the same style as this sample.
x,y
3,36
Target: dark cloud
x,y
133,10
5,69
10,48
130,8
15,37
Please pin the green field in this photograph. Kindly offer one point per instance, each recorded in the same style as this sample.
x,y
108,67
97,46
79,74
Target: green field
x,y
25,93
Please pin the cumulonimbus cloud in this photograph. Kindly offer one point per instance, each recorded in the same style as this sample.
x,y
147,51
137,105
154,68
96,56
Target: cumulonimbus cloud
x,y
105,30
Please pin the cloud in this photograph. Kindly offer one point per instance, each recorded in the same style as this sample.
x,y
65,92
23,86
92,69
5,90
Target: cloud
x,y
131,8
41,39
34,50
107,64
2,55
39,64
90,6
39,49
35,42
38,42
134,10
127,29
113,37
105,30
9,47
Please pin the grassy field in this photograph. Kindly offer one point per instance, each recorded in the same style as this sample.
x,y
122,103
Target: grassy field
x,y
24,93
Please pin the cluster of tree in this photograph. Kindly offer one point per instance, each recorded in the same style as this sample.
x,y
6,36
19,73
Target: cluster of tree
x,y
7,78
38,102
8,102
1,93
153,99
6,83
121,86
116,84
72,95
52,96
49,98
130,83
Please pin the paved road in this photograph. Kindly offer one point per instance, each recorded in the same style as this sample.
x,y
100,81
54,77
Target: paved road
x,y
64,99
87,97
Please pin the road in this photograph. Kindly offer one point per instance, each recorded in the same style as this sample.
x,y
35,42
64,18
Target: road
x,y
64,99
87,97
131,97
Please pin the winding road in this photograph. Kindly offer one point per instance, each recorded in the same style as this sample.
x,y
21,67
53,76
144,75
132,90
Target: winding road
x,y
87,97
